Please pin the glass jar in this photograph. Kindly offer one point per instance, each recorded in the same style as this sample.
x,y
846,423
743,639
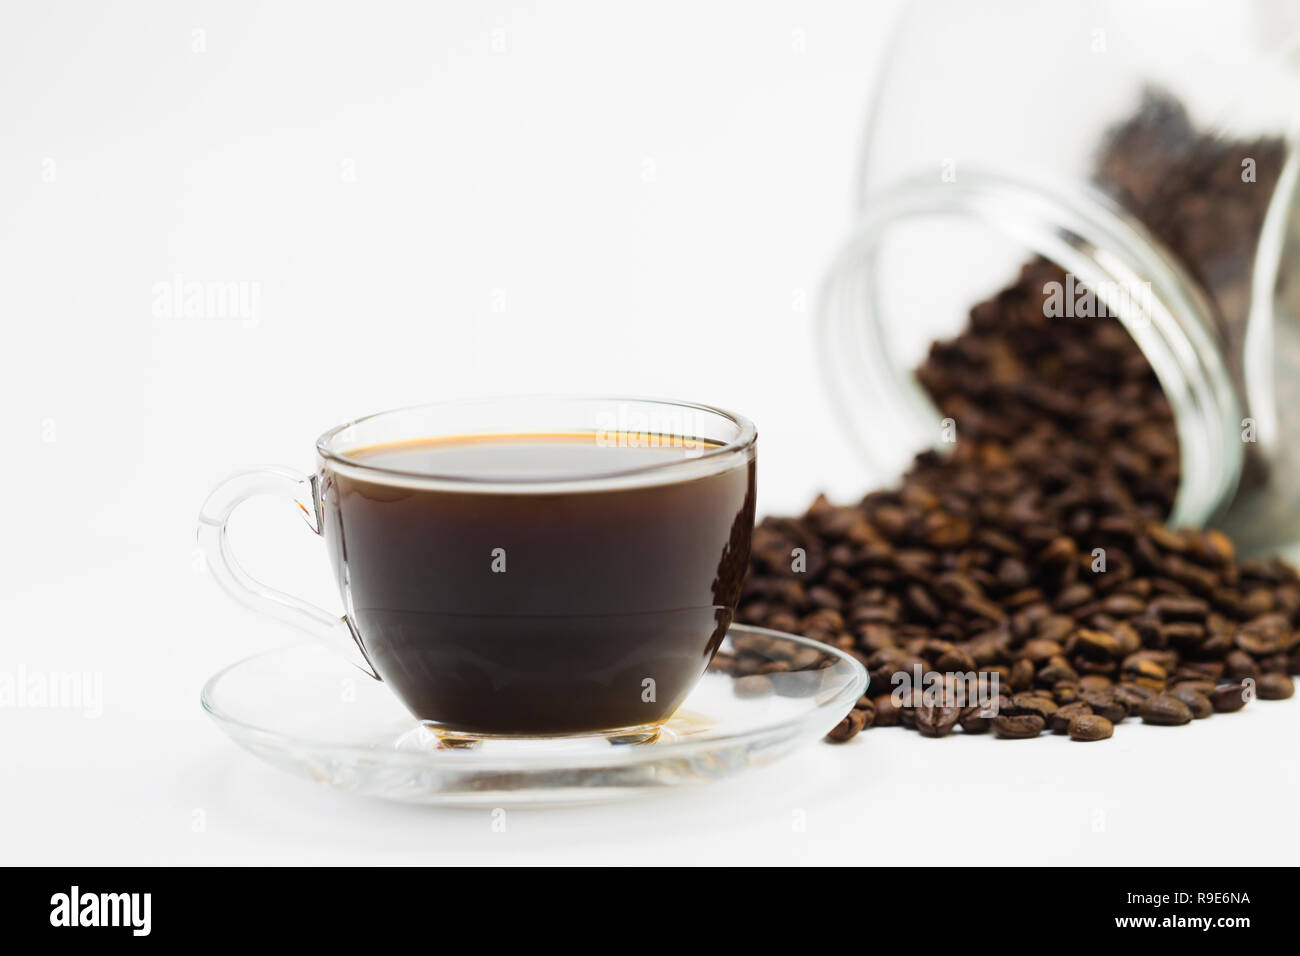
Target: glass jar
x,y
1149,151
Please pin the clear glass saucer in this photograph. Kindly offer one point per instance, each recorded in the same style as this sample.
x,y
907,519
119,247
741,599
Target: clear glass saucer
x,y
308,712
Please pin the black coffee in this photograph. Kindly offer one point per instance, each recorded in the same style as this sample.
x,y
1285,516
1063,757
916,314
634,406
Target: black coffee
x,y
496,608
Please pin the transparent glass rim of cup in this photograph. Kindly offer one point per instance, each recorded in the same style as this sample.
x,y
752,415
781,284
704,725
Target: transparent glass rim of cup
x,y
545,414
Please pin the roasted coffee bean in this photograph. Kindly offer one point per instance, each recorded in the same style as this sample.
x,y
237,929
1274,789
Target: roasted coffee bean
x,y
1060,721
1013,573
886,711
1032,702
1097,644
1203,687
1174,609
1123,605
1196,702
1126,638
1106,704
867,708
1274,686
1090,727
1230,697
1073,597
1165,710
1056,669
1022,675
1185,636
973,722
1095,682
1060,551
1055,628
934,721
955,661
1040,651
1145,673
1131,696
1065,692
1017,726
1263,636
848,728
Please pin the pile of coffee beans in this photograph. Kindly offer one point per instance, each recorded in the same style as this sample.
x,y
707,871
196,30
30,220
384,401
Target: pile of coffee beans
x,y
1036,549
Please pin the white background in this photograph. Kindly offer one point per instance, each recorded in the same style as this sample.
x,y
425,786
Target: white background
x,y
436,201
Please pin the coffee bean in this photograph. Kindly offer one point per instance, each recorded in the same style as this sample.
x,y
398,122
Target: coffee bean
x,y
1165,710
1017,726
1039,651
1196,702
1126,638
886,712
1073,597
848,728
1032,702
1065,692
1131,696
1145,673
1203,687
868,710
1230,697
1106,704
1123,605
1173,609
1022,675
1090,727
1240,665
1012,573
1264,635
1060,721
1096,682
1056,669
1274,686
973,722
934,721
1060,551
955,661
1097,644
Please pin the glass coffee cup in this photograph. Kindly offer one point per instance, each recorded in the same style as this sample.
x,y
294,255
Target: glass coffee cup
x,y
520,567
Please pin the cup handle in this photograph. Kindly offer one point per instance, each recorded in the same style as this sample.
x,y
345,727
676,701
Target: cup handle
x,y
214,543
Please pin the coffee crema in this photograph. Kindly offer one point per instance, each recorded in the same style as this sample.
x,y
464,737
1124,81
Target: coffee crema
x,y
501,585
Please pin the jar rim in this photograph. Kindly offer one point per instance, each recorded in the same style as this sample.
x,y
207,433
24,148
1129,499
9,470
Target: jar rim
x,y
1086,234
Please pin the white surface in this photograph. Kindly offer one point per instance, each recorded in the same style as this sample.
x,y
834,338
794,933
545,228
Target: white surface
x,y
555,197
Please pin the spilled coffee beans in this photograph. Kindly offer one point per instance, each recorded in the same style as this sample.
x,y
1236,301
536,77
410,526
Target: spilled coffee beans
x,y
1090,727
1036,550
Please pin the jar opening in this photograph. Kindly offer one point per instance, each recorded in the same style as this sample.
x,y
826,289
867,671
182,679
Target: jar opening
x,y
868,352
